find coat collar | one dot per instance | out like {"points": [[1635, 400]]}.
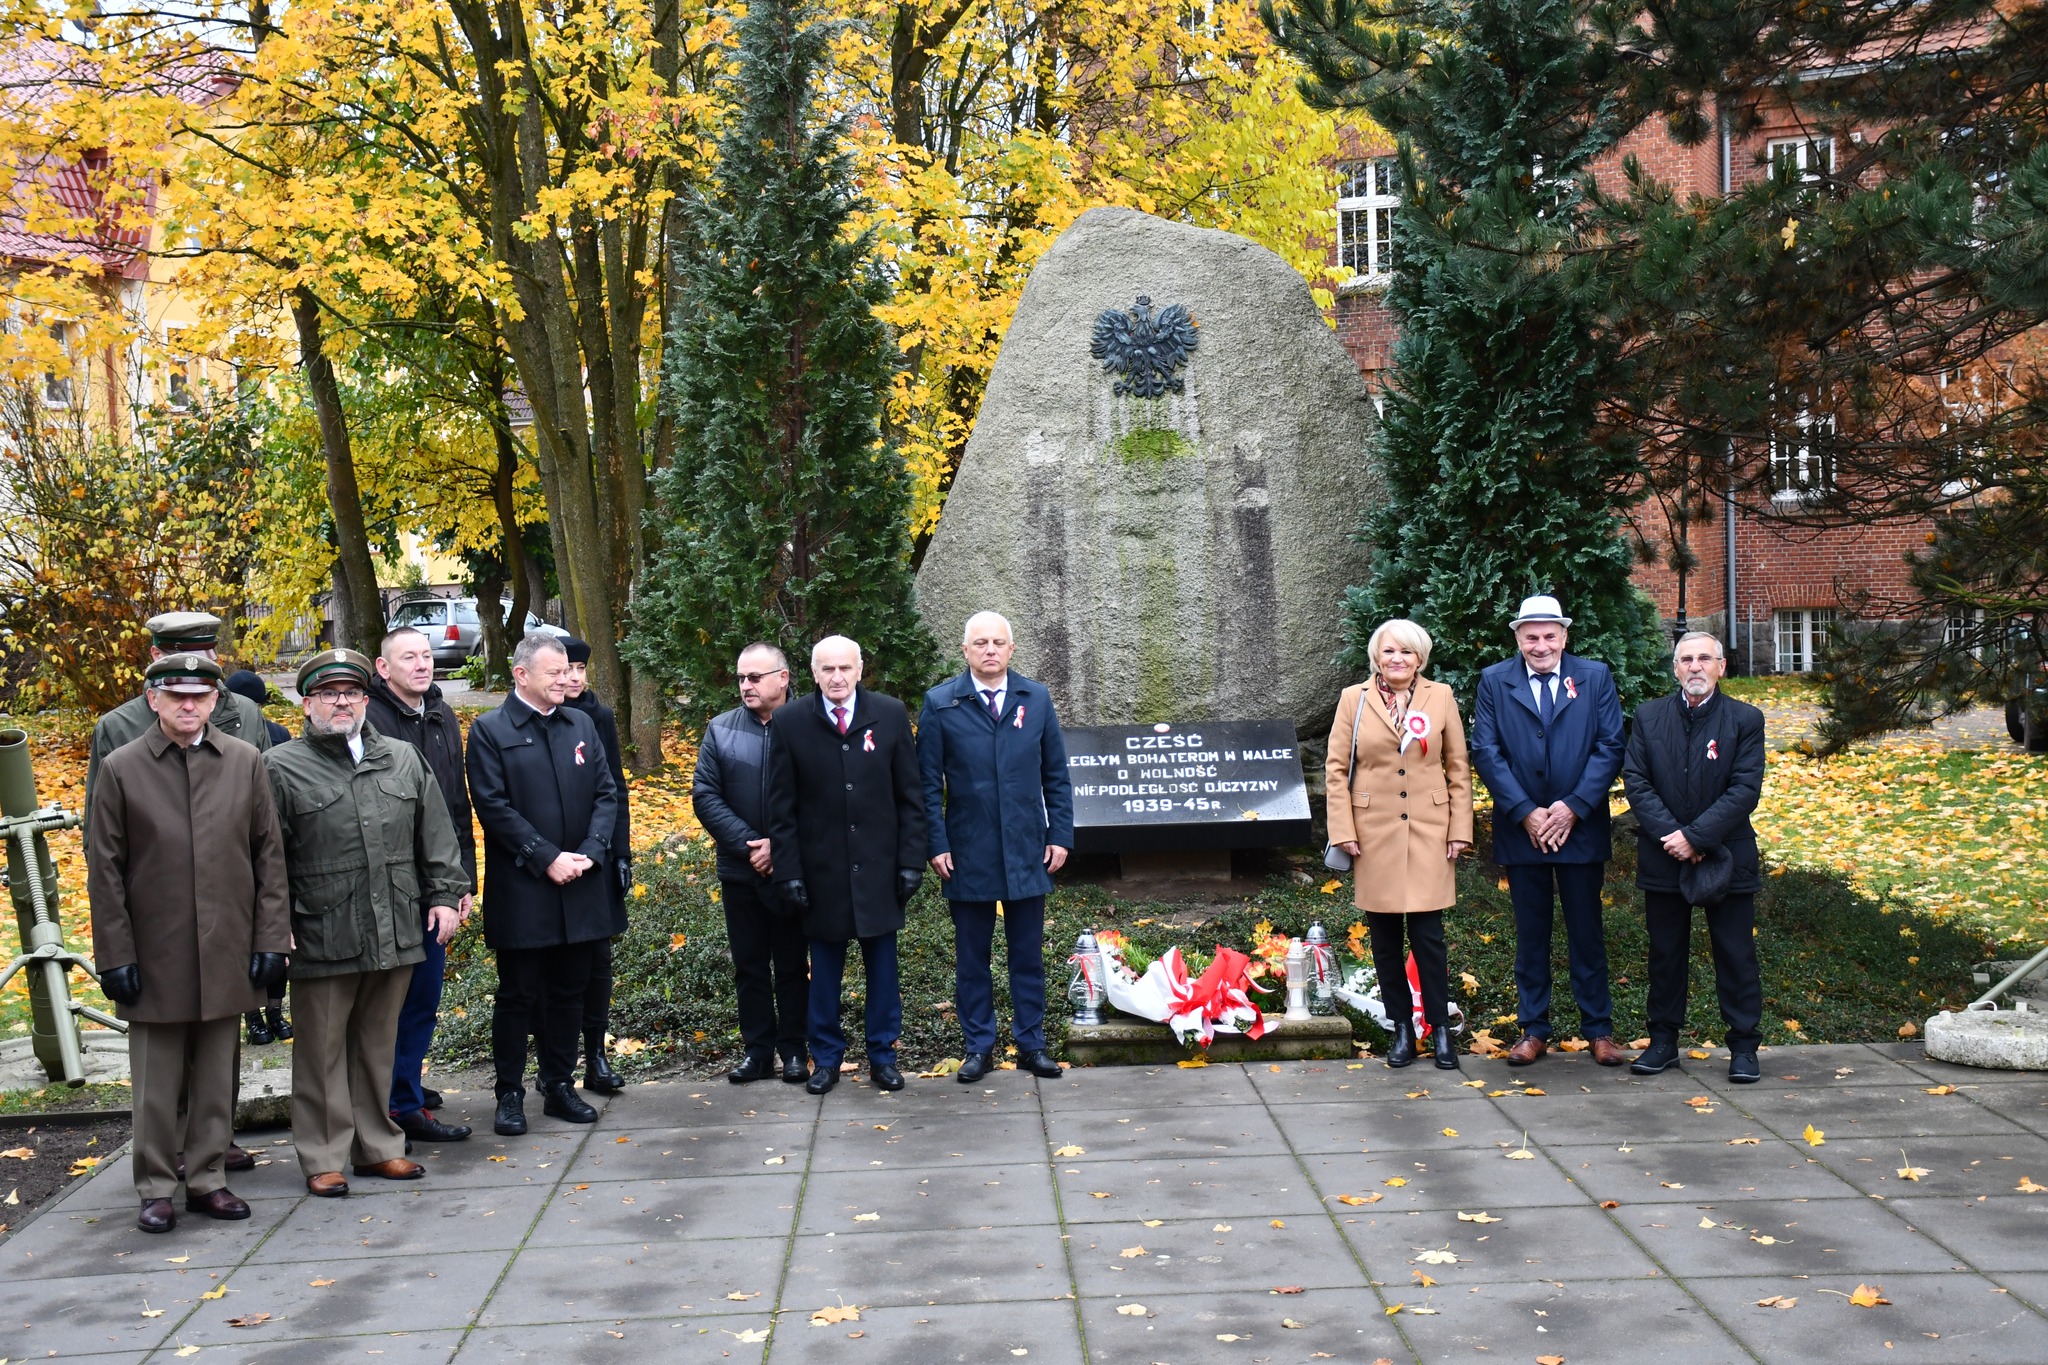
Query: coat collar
{"points": [[158, 741], [1570, 670], [964, 691], [520, 711], [1369, 696]]}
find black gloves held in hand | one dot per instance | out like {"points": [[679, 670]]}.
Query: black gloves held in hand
{"points": [[797, 894], [266, 970], [123, 985], [908, 880]]}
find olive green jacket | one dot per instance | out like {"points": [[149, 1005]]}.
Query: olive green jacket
{"points": [[368, 847], [234, 715]]}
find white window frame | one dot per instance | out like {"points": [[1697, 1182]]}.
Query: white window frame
{"points": [[1813, 158], [1802, 465], [1957, 626], [1798, 634], [1366, 200], [59, 387]]}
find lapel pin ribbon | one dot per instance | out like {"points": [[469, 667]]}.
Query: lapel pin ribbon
{"points": [[1415, 730], [1018, 723], [579, 753], [867, 741], [1713, 749], [1571, 689]]}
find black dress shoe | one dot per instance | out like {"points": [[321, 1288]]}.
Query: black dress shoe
{"points": [[157, 1216], [755, 1067], [795, 1070], [280, 1027], [1660, 1056], [259, 1031], [559, 1100], [1446, 1054], [1040, 1063], [823, 1078], [221, 1203], [236, 1160], [1401, 1051], [430, 1098], [885, 1075], [420, 1126], [511, 1120], [973, 1067], [1742, 1068], [600, 1079]]}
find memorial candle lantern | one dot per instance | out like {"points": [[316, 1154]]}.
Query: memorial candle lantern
{"points": [[1084, 989], [1297, 980], [1322, 972]]}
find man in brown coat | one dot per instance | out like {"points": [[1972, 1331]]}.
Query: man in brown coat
{"points": [[185, 875]]}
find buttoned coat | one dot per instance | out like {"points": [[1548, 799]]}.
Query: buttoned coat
{"points": [[1526, 764], [996, 791], [234, 717], [185, 874], [1403, 808], [1704, 778], [369, 847], [540, 786], [846, 813]]}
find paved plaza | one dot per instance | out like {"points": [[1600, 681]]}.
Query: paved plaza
{"points": [[1293, 1212]]}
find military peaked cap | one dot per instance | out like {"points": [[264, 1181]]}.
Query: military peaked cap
{"points": [[183, 673], [183, 630], [335, 665]]}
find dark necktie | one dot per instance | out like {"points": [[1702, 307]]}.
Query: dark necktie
{"points": [[1546, 688], [839, 714], [990, 693]]}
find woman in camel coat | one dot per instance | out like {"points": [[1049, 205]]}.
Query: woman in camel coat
{"points": [[1407, 818]]}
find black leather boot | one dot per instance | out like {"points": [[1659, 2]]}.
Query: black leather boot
{"points": [[280, 1027], [1446, 1054], [1402, 1050], [598, 1076], [259, 1031], [559, 1100]]}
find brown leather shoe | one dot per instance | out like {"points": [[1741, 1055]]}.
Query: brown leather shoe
{"points": [[327, 1184], [398, 1168], [1527, 1049], [157, 1216], [1607, 1052], [221, 1203]]}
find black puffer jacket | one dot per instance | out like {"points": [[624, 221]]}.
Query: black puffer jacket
{"points": [[1702, 773], [730, 789], [436, 733]]}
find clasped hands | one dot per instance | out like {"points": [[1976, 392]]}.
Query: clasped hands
{"points": [[1549, 826], [1055, 859], [567, 867]]}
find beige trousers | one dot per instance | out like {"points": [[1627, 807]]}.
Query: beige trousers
{"points": [[184, 1085], [345, 1030]]}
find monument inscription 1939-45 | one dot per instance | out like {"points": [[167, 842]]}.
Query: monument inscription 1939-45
{"points": [[1201, 785]]}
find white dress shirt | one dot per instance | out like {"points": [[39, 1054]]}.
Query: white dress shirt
{"points": [[982, 689]]}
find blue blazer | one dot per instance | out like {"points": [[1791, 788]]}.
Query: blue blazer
{"points": [[1524, 768], [995, 791]]}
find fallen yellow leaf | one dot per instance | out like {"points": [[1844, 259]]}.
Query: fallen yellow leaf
{"points": [[2027, 1186], [1438, 1256], [1743, 1142], [1228, 1336], [249, 1320], [1154, 1222], [1481, 1217], [1394, 1308], [1356, 1200], [1868, 1296], [1909, 1171], [1071, 1150], [494, 1158], [1278, 1224], [184, 1351], [1698, 1054], [1549, 1360], [1425, 1281], [1573, 1045], [318, 1284], [1396, 1181], [750, 1336], [20, 1153], [677, 941], [867, 1218], [1706, 1222], [1699, 1101], [1100, 1194], [1532, 1090], [1132, 1253], [1908, 1029], [1941, 1090], [1189, 1064], [1450, 1132], [1814, 1136], [826, 1317], [1521, 1154], [219, 1291], [1286, 1289], [1289, 1322], [1331, 885], [1131, 1310]]}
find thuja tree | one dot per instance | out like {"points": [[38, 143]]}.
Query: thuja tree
{"points": [[1501, 478], [783, 513]]}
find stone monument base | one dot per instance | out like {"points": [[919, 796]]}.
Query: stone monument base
{"points": [[2004, 1040], [1138, 1042], [1208, 865]]}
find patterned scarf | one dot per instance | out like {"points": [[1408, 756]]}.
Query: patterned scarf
{"points": [[1397, 703]]}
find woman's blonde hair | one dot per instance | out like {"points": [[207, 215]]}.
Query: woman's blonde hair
{"points": [[1402, 632]]}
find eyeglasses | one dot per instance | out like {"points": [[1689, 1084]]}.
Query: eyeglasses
{"points": [[751, 678], [341, 696]]}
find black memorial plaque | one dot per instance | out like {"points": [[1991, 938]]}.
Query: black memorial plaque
{"points": [[1199, 785]]}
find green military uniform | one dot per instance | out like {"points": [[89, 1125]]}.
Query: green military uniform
{"points": [[368, 846]]}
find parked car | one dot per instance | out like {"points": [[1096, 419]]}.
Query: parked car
{"points": [[452, 625]]}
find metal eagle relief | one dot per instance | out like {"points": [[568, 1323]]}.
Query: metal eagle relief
{"points": [[1145, 349]]}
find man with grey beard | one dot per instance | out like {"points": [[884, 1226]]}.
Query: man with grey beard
{"points": [[367, 842], [1694, 771]]}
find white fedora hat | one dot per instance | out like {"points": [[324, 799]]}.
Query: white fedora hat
{"points": [[1541, 607]]}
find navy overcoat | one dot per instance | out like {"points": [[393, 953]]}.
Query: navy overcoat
{"points": [[1525, 767], [995, 790]]}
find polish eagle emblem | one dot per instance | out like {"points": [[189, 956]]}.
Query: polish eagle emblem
{"points": [[1146, 349]]}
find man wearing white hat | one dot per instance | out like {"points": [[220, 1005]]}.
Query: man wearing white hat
{"points": [[1546, 737]]}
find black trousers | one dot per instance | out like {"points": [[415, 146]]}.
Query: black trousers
{"points": [[540, 995], [771, 969], [1731, 933], [1424, 934], [597, 1001]]}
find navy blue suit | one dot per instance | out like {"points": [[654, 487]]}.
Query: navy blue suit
{"points": [[996, 794], [1527, 764]]}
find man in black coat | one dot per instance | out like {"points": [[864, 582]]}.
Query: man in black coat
{"points": [[596, 1019], [846, 823], [730, 794], [543, 792], [406, 704], [1694, 771]]}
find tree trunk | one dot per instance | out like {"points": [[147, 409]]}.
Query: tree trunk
{"points": [[359, 607]]}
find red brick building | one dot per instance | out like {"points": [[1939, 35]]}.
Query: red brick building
{"points": [[1789, 577]]}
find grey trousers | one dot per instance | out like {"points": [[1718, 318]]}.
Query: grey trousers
{"points": [[345, 1035], [193, 1063]]}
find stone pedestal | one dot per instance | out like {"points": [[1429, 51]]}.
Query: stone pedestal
{"points": [[1137, 1042], [2004, 1040], [1209, 865]]}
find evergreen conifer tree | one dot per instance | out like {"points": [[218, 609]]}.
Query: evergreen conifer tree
{"points": [[783, 516], [1502, 481]]}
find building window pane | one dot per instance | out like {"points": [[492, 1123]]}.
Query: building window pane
{"points": [[1803, 453], [1807, 159], [1367, 194], [1802, 638], [57, 383]]}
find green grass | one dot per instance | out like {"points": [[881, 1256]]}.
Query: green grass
{"points": [[1834, 962], [54, 1099]]}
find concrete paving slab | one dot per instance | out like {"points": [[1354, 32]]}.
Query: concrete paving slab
{"points": [[65, 1242], [1620, 1322], [925, 1198], [1042, 1332], [377, 1295], [1870, 1111], [1344, 1325], [2005, 1233], [2026, 1105], [62, 1315], [1948, 1073], [690, 1341], [1215, 1187], [995, 1265], [404, 1221], [1444, 1180], [1147, 1087], [1425, 1123], [1571, 1243], [669, 1210], [1938, 1319], [1146, 1134], [548, 1284], [1967, 1166], [1283, 1083], [1653, 1113], [1185, 1252], [1692, 1172], [913, 1138], [666, 1153], [1809, 1237], [381, 1348]]}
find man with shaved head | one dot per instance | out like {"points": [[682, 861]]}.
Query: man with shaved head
{"points": [[1000, 819], [846, 847]]}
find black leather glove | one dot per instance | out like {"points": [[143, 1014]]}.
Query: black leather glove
{"points": [[266, 970], [908, 880], [797, 894], [123, 985]]}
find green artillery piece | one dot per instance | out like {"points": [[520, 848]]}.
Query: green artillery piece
{"points": [[32, 879]]}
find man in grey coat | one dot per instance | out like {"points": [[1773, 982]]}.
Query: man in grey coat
{"points": [[173, 632]]}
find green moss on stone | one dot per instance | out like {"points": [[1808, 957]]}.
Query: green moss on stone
{"points": [[1152, 445]]}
